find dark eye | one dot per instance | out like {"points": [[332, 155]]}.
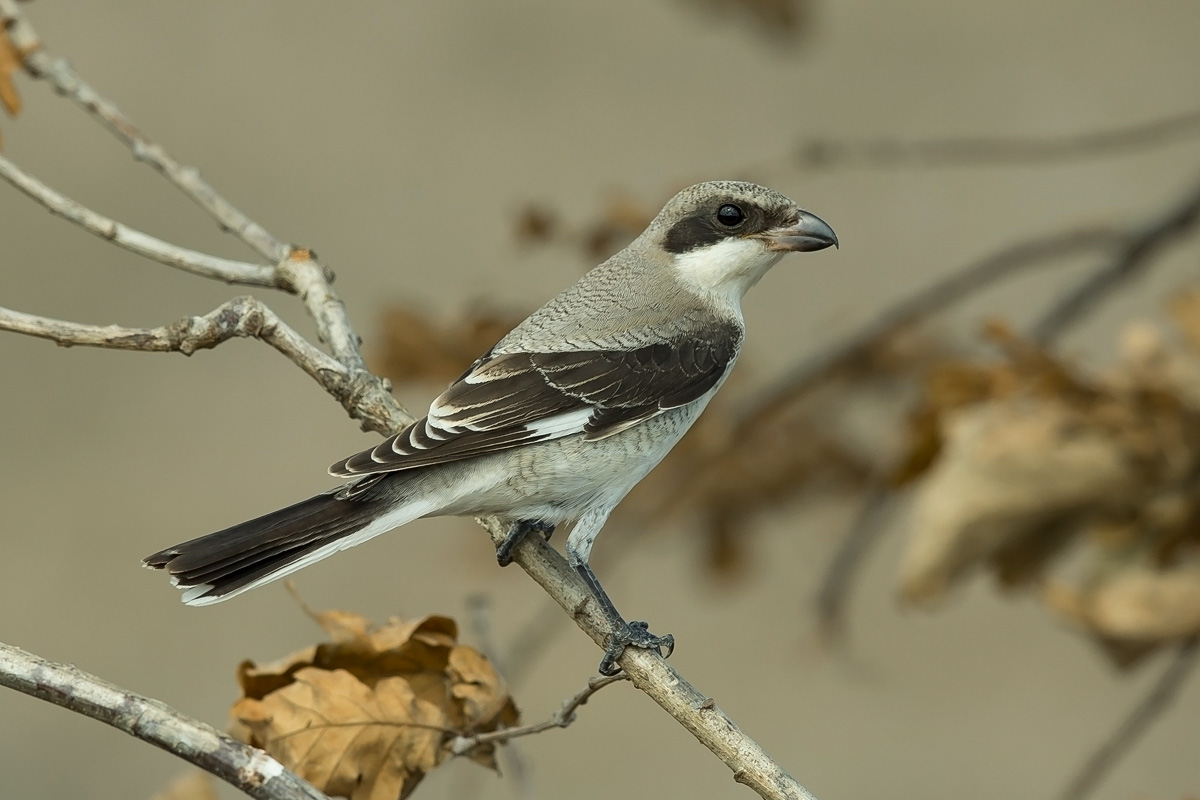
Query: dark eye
{"points": [[730, 215]]}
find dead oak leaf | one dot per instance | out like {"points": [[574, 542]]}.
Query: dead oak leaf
{"points": [[1138, 604], [10, 63], [396, 648], [346, 738], [1009, 468], [409, 682], [481, 695]]}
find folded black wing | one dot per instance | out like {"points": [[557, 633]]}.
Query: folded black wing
{"points": [[515, 399]]}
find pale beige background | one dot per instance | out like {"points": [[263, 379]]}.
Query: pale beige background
{"points": [[399, 139]]}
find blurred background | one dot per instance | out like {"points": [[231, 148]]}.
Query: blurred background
{"points": [[458, 163]]}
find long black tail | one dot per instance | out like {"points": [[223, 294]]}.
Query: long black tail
{"points": [[220, 565]]}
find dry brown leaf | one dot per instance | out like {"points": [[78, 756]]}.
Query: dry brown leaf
{"points": [[343, 626], [370, 713], [193, 784], [1184, 308], [1138, 604], [1024, 465], [481, 695], [1008, 468], [346, 738], [10, 64]]}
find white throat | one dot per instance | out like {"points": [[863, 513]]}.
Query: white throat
{"points": [[727, 269]]}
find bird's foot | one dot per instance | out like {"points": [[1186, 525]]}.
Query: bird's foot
{"points": [[516, 534], [633, 634]]}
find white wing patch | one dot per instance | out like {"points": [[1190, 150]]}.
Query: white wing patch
{"points": [[560, 424]]}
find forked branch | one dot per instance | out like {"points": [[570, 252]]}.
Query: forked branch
{"points": [[343, 374]]}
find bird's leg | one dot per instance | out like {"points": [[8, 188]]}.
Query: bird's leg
{"points": [[516, 534], [625, 634]]}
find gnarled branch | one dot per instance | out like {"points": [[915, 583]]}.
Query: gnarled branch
{"points": [[153, 721]]}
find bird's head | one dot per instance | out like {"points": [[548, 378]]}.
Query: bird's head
{"points": [[721, 237]]}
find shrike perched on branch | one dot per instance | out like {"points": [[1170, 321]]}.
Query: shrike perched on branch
{"points": [[560, 419]]}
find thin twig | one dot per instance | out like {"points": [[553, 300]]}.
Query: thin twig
{"points": [[479, 608], [1137, 723], [526, 646], [1134, 256], [926, 302], [242, 766], [999, 151], [838, 581], [203, 264], [66, 81], [515, 765], [241, 317], [559, 719]]}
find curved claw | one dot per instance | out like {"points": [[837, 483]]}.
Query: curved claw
{"points": [[516, 534], [633, 634]]}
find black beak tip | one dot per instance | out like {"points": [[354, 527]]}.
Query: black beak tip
{"points": [[821, 243], [816, 233]]}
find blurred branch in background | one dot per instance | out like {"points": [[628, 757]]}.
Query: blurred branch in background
{"points": [[1137, 723], [998, 151], [1133, 256], [781, 22], [623, 217]]}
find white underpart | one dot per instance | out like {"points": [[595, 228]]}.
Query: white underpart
{"points": [[419, 507], [727, 269], [583, 535]]}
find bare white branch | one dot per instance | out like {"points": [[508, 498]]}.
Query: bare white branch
{"points": [[239, 764], [651, 673], [241, 317], [244, 317], [203, 264]]}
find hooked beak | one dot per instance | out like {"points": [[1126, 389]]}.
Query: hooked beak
{"points": [[808, 233]]}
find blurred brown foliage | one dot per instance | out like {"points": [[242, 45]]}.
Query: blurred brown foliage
{"points": [[1081, 486], [369, 713], [10, 64], [412, 347], [621, 219], [783, 22]]}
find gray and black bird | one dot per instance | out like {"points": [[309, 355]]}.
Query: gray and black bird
{"points": [[560, 419]]}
